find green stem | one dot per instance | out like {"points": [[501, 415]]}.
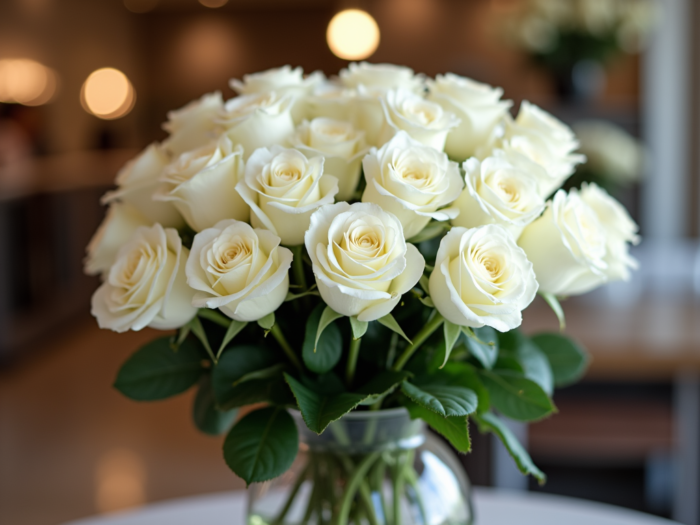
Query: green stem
{"points": [[298, 266], [315, 488], [412, 478], [279, 336], [364, 490], [377, 482], [425, 332], [292, 494], [353, 485], [397, 483], [352, 360]]}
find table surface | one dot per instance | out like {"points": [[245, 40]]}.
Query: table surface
{"points": [[492, 507]]}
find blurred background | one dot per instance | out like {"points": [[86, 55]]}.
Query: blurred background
{"points": [[85, 85]]}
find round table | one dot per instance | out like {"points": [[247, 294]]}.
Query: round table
{"points": [[492, 507]]}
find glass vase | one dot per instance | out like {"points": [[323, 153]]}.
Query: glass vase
{"points": [[370, 467]]}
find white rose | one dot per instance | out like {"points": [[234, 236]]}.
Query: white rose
{"points": [[138, 181], [620, 227], [610, 150], [283, 188], [331, 100], [423, 120], [360, 259], [240, 270], [497, 192], [193, 125], [284, 81], [537, 136], [340, 144], [478, 106], [258, 120], [412, 181], [567, 246], [379, 78], [119, 225], [146, 286], [482, 277], [202, 185]]}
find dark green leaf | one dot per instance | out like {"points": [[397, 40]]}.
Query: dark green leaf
{"points": [[327, 317], [532, 360], [207, 416], [445, 400], [483, 345], [567, 359], [319, 410], [554, 304], [381, 385], [358, 327], [466, 375], [515, 396], [237, 364], [389, 321], [156, 371], [454, 428], [262, 445], [322, 357], [490, 423]]}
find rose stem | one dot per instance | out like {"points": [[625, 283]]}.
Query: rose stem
{"points": [[292, 495], [352, 360], [355, 484], [425, 332], [279, 336], [298, 266]]}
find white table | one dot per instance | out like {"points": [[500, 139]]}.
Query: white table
{"points": [[493, 507]]}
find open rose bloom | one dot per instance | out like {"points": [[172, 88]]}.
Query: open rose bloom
{"points": [[365, 240]]}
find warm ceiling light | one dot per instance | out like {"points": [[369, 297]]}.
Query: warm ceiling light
{"points": [[213, 3], [140, 6], [353, 34], [107, 94], [25, 81]]}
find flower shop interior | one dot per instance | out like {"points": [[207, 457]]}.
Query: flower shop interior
{"points": [[628, 434]]}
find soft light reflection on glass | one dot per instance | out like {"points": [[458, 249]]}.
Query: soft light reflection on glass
{"points": [[213, 3], [140, 6], [120, 477], [107, 94], [353, 34], [26, 81]]}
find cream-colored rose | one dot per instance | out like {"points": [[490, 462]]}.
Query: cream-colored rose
{"points": [[146, 286], [497, 192], [425, 121], [412, 181], [478, 106], [537, 136], [119, 225], [620, 228], [284, 81], [331, 100], [257, 121], [482, 278], [138, 180], [360, 259], [610, 151], [240, 270], [283, 188], [567, 246], [193, 125], [202, 184], [341, 146], [380, 78]]}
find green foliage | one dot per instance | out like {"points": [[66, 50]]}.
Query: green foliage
{"points": [[206, 415], [490, 423], [453, 428], [566, 358], [157, 371], [359, 328], [232, 331], [391, 323], [554, 304], [445, 400], [267, 322], [483, 345], [529, 359], [262, 445], [515, 396], [466, 375], [327, 317], [322, 354]]}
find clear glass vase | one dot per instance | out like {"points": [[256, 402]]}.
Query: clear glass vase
{"points": [[370, 468]]}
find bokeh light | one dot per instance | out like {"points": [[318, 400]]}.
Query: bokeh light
{"points": [[140, 6], [213, 3], [26, 82], [120, 480], [107, 94], [353, 34]]}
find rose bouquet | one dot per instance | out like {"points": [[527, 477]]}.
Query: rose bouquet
{"points": [[365, 244]]}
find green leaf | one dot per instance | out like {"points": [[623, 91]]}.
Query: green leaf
{"points": [[214, 316], [567, 359], [483, 345], [445, 400], [555, 305], [432, 230], [466, 375], [262, 445], [198, 330], [327, 317], [515, 396], [232, 331], [267, 322], [382, 385], [490, 423], [389, 321], [156, 371], [322, 356], [533, 361], [454, 428], [358, 327], [207, 416], [233, 381], [320, 410]]}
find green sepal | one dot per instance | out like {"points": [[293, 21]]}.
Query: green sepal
{"points": [[389, 321]]}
